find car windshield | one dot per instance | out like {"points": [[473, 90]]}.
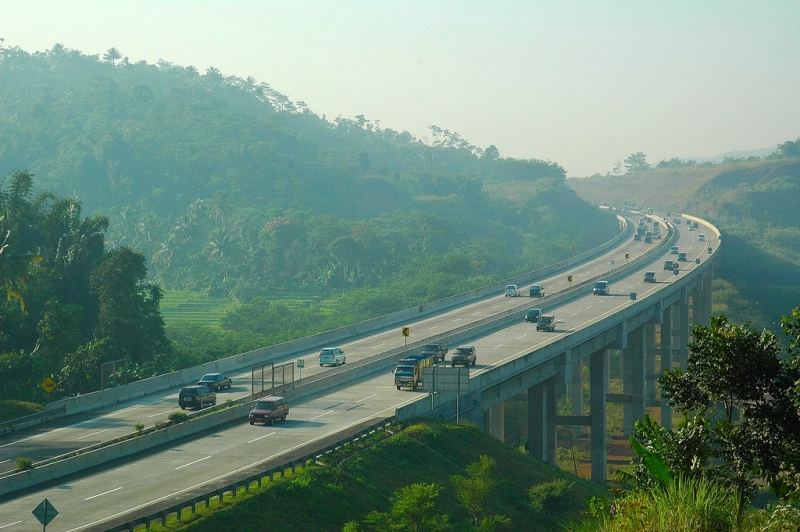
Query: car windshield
{"points": [[405, 370], [463, 352], [326, 352], [208, 378], [265, 405]]}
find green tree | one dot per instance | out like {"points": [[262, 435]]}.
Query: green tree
{"points": [[128, 306], [734, 369], [414, 509], [81, 371], [636, 162], [790, 148], [112, 55], [475, 489]]}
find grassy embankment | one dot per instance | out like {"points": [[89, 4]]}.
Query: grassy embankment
{"points": [[326, 497]]}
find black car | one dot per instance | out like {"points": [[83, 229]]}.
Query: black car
{"points": [[196, 397], [215, 381], [532, 315]]}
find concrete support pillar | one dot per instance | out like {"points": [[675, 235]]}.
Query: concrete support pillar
{"points": [[598, 389], [494, 421], [666, 362], [633, 379], [683, 330], [706, 297], [650, 363], [576, 387], [542, 421]]}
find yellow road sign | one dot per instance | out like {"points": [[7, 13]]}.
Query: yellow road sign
{"points": [[406, 331], [569, 278], [48, 385]]}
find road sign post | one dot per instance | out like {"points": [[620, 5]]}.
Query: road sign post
{"points": [[406, 333], [45, 513], [300, 365]]}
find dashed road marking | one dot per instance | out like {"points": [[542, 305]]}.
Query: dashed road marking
{"points": [[192, 463]]}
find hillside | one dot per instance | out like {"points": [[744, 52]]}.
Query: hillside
{"points": [[754, 204], [232, 189], [327, 498]]}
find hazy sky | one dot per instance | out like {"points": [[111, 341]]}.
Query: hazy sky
{"points": [[578, 82]]}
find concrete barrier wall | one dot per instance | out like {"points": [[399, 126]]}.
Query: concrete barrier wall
{"points": [[93, 400]]}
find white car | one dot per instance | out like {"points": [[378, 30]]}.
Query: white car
{"points": [[512, 290], [332, 356]]}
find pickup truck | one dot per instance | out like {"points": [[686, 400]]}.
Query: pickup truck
{"points": [[547, 322], [437, 351]]}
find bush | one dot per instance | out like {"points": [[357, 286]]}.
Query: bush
{"points": [[24, 464], [178, 417], [549, 496], [139, 427]]}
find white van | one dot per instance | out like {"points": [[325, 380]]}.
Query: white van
{"points": [[332, 356], [512, 290]]}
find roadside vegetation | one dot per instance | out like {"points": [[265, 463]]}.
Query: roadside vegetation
{"points": [[739, 399]]}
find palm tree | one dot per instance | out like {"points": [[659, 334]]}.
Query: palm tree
{"points": [[112, 55]]}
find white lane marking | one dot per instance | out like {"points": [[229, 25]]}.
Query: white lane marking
{"points": [[334, 431], [521, 337], [92, 434], [324, 414], [261, 437], [101, 494], [498, 347], [26, 439], [432, 328], [477, 313], [367, 397], [494, 307], [380, 345], [573, 313], [161, 413], [10, 524], [4, 461], [117, 412], [192, 463], [587, 308]]}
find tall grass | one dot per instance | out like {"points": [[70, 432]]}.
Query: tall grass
{"points": [[695, 504]]}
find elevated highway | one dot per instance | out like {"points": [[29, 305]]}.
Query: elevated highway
{"points": [[651, 330]]}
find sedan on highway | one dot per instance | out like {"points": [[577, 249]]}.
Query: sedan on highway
{"points": [[215, 381]]}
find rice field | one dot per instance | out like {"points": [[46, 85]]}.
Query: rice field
{"points": [[183, 306]]}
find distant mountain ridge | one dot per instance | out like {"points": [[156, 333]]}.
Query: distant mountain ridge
{"points": [[230, 187]]}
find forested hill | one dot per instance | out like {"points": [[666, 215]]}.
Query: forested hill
{"points": [[754, 203], [228, 186]]}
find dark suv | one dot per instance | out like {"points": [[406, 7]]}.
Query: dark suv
{"points": [[269, 409], [464, 355], [196, 397]]}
